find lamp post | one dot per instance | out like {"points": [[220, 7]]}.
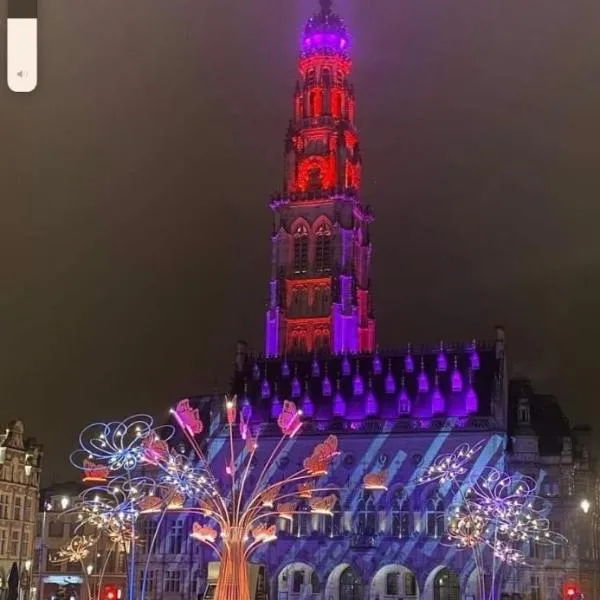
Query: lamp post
{"points": [[40, 588], [91, 585], [585, 505], [27, 583]]}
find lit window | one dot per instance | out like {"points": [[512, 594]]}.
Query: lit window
{"points": [[301, 249], [323, 250], [435, 518], [400, 515]]}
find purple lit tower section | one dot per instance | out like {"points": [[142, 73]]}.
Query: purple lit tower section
{"points": [[320, 297]]}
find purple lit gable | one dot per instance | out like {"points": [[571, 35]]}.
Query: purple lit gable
{"points": [[307, 406], [456, 379], [339, 405], [358, 388], [371, 408], [265, 391], [438, 405], [276, 407], [376, 365], [390, 382], [326, 386], [295, 388], [423, 380], [316, 370]]}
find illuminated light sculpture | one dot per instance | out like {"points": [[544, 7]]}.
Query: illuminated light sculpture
{"points": [[375, 481], [305, 490], [94, 472], [118, 450], [323, 506], [238, 513], [287, 510], [203, 533], [318, 462], [493, 511], [77, 550]]}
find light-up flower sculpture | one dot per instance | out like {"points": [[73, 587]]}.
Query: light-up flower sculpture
{"points": [[492, 512], [237, 515], [113, 456]]}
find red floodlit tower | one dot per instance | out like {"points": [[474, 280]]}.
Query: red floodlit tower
{"points": [[320, 298]]}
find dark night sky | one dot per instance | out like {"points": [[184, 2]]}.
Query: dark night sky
{"points": [[134, 233]]}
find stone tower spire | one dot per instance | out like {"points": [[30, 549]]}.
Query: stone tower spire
{"points": [[320, 298]]}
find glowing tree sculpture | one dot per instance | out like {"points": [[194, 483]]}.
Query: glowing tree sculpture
{"points": [[237, 516], [493, 512]]}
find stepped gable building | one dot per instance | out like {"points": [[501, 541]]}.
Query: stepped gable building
{"points": [[20, 470], [393, 411]]}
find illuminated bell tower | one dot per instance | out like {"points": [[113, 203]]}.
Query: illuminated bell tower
{"points": [[320, 297]]}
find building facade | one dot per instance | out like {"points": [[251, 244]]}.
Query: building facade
{"points": [[20, 470], [101, 575], [393, 411]]}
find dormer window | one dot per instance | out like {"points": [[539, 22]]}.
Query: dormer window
{"points": [[523, 412]]}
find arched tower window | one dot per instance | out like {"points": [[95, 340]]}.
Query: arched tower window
{"points": [[311, 78], [312, 104], [400, 515], [336, 104], [326, 77], [367, 515], [301, 249], [323, 249], [435, 517]]}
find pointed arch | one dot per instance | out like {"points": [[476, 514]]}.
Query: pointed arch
{"points": [[366, 522], [435, 516], [300, 232], [400, 514], [323, 233]]}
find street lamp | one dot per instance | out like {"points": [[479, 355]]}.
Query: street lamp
{"points": [[90, 584], [64, 502], [585, 505]]}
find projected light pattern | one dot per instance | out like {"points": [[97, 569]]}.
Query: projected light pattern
{"points": [[493, 510]]}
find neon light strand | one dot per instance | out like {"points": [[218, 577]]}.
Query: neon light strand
{"points": [[235, 517], [493, 511]]}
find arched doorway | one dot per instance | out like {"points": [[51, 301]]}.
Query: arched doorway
{"points": [[446, 586], [351, 587]]}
